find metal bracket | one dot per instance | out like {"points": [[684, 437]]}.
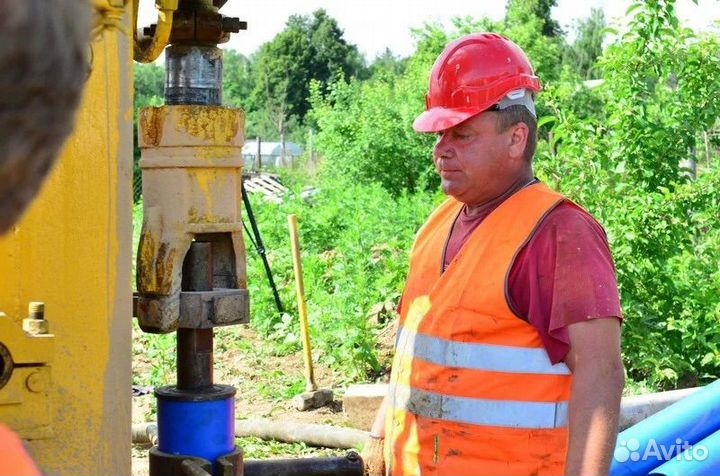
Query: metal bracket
{"points": [[220, 307]]}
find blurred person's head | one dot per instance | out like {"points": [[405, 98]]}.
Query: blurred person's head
{"points": [[43, 66]]}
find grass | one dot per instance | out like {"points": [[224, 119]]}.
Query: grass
{"points": [[633, 388], [255, 448]]}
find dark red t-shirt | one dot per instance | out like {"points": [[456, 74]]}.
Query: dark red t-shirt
{"points": [[563, 275]]}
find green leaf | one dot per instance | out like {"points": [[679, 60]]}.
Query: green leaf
{"points": [[546, 120], [632, 8]]}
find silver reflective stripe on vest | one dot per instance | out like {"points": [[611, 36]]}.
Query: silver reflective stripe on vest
{"points": [[475, 411], [492, 358]]}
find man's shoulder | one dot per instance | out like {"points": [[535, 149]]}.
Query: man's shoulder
{"points": [[570, 218]]}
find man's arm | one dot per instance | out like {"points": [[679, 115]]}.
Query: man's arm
{"points": [[378, 427], [598, 380], [372, 453]]}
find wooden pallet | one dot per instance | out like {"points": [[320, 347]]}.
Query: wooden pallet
{"points": [[267, 184]]}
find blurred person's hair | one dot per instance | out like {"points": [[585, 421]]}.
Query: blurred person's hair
{"points": [[43, 66]]}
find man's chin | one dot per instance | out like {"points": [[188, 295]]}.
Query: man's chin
{"points": [[450, 189]]}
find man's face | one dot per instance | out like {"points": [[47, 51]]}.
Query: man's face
{"points": [[477, 163]]}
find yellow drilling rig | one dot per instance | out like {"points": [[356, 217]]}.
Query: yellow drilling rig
{"points": [[66, 296]]}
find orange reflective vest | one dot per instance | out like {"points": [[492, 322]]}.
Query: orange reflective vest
{"points": [[14, 460], [472, 389]]}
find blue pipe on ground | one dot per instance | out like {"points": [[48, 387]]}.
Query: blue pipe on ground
{"points": [[197, 423], [690, 420], [702, 459]]}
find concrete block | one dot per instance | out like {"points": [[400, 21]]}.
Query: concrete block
{"points": [[361, 403]]}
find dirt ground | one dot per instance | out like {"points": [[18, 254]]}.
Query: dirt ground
{"points": [[265, 383]]}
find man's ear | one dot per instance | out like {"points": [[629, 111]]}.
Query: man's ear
{"points": [[518, 139]]}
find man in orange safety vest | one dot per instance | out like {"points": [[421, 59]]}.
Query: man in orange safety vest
{"points": [[507, 359]]}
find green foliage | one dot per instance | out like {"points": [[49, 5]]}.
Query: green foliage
{"points": [[355, 241], [624, 165], [582, 55], [309, 48], [149, 80], [386, 63], [539, 10], [158, 350], [365, 132], [237, 79], [529, 30]]}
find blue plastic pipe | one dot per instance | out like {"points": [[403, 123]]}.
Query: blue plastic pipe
{"points": [[702, 459], [688, 421], [205, 429]]}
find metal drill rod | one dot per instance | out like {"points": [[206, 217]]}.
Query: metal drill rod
{"points": [[350, 465], [195, 346], [192, 468], [194, 359]]}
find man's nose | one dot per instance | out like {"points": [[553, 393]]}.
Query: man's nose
{"points": [[442, 148]]}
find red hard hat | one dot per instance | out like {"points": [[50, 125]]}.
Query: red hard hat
{"points": [[473, 74]]}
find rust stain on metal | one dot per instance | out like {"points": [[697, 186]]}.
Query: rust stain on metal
{"points": [[194, 216], [215, 125], [152, 120], [155, 265]]}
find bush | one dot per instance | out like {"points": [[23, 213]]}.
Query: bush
{"points": [[661, 85], [355, 240]]}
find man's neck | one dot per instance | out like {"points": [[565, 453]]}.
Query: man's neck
{"points": [[520, 183]]}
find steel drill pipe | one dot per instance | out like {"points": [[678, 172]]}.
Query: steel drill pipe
{"points": [[194, 359], [195, 346], [350, 465]]}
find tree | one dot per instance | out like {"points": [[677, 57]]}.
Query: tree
{"points": [[540, 9], [582, 55], [332, 54], [237, 79], [309, 48], [387, 62], [149, 82], [527, 23]]}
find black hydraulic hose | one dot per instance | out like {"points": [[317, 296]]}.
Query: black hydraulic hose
{"points": [[261, 248]]}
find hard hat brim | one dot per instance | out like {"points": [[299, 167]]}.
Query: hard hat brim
{"points": [[439, 119]]}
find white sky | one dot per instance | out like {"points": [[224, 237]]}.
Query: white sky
{"points": [[374, 25]]}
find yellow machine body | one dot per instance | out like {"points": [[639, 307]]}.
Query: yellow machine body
{"points": [[72, 250]]}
